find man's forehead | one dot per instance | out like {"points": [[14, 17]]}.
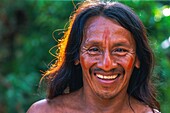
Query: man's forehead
{"points": [[102, 29], [100, 24]]}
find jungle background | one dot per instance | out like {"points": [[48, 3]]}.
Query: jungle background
{"points": [[26, 37]]}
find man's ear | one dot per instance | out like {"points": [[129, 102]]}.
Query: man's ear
{"points": [[137, 62]]}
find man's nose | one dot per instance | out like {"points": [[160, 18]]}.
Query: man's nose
{"points": [[107, 63]]}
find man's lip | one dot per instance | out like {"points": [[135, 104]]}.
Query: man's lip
{"points": [[110, 72], [107, 73], [107, 76]]}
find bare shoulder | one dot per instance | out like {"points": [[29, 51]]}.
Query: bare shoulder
{"points": [[39, 107], [58, 104], [143, 108], [147, 109], [152, 111]]}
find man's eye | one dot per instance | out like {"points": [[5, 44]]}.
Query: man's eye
{"points": [[94, 50], [120, 50]]}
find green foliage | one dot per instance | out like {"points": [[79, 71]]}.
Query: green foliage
{"points": [[26, 37]]}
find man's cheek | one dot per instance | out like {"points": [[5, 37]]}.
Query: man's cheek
{"points": [[130, 63], [84, 61], [127, 63]]}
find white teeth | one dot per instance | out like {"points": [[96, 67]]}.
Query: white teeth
{"points": [[106, 77]]}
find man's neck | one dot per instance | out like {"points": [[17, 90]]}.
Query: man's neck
{"points": [[94, 103]]}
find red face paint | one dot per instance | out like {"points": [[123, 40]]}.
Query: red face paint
{"points": [[106, 34], [131, 63], [107, 59]]}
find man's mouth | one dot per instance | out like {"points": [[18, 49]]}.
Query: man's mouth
{"points": [[108, 77]]}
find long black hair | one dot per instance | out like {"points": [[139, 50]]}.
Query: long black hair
{"points": [[65, 75]]}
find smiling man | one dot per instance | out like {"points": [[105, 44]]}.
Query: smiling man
{"points": [[107, 57], [104, 64]]}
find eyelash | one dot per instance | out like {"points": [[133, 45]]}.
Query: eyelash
{"points": [[120, 50], [94, 50]]}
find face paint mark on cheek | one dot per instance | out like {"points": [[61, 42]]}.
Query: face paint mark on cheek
{"points": [[86, 63], [83, 61], [130, 63]]}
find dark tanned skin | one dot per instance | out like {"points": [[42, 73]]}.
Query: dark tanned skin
{"points": [[107, 58], [74, 103]]}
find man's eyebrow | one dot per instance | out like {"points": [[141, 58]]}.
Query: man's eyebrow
{"points": [[93, 42], [125, 44]]}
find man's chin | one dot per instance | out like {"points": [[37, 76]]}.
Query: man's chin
{"points": [[106, 95]]}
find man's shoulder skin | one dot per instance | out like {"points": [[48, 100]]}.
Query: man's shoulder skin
{"points": [[39, 107], [59, 104], [47, 106], [72, 103]]}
